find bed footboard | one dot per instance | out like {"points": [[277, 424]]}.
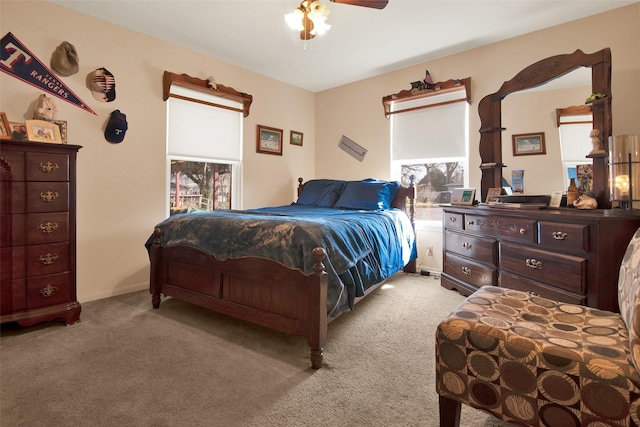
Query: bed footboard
{"points": [[254, 289]]}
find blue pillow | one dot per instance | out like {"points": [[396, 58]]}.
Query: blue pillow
{"points": [[320, 192], [368, 194]]}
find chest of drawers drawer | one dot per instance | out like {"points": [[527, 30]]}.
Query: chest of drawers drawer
{"points": [[560, 270], [46, 167], [48, 290], [474, 273], [47, 228], [564, 236], [513, 228], [47, 196], [453, 221], [477, 248]]}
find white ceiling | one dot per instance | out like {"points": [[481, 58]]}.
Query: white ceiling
{"points": [[362, 42]]}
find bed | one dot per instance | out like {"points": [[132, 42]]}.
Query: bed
{"points": [[291, 268]]}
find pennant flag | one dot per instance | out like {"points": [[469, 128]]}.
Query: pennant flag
{"points": [[18, 61]]}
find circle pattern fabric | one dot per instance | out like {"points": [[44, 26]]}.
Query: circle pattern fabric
{"points": [[533, 361]]}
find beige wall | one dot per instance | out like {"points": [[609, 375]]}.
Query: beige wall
{"points": [[488, 67], [121, 187]]}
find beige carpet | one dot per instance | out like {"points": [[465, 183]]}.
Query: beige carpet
{"points": [[126, 364]]}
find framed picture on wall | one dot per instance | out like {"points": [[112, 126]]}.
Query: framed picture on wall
{"points": [[295, 138], [527, 144], [269, 140]]}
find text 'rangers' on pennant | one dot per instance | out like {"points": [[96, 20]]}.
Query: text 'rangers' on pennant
{"points": [[20, 62]]}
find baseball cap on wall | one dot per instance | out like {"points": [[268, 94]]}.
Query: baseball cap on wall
{"points": [[116, 127], [102, 85], [64, 60]]}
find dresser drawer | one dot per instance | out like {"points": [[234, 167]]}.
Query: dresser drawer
{"points": [[477, 248], [47, 228], [453, 221], [470, 272], [47, 259], [48, 290], [12, 263], [13, 197], [563, 271], [15, 171], [13, 230], [47, 167], [519, 283], [514, 228], [564, 236], [47, 196]]}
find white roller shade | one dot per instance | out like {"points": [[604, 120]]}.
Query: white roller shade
{"points": [[439, 131], [199, 130], [575, 141]]}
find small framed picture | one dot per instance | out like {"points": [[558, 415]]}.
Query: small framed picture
{"points": [[62, 124], [269, 140], [556, 199], [492, 194], [43, 131], [296, 138], [5, 130], [18, 131], [527, 144]]}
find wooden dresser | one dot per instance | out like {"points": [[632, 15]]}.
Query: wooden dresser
{"points": [[564, 254], [38, 239]]}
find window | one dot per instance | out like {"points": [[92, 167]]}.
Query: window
{"points": [[204, 151], [429, 140]]}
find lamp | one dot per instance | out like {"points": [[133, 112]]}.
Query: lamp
{"points": [[309, 18], [625, 169]]}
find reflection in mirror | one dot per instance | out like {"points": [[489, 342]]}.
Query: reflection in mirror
{"points": [[534, 111]]}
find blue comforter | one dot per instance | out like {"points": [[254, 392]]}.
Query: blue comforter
{"points": [[363, 247]]}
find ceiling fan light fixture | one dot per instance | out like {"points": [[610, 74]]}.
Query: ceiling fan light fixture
{"points": [[309, 18]]}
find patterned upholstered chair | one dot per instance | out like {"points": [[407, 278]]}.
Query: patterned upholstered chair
{"points": [[531, 361]]}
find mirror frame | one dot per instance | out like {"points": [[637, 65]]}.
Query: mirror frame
{"points": [[535, 75]]}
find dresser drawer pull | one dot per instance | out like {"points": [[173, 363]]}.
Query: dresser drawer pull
{"points": [[48, 259], [48, 291], [533, 263], [49, 227], [559, 235], [453, 219], [466, 271], [49, 196], [523, 231], [49, 167], [470, 223], [466, 245]]}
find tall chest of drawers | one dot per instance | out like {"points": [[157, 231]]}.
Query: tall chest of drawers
{"points": [[564, 254], [38, 239]]}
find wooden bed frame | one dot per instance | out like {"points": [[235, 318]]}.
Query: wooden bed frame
{"points": [[255, 289]]}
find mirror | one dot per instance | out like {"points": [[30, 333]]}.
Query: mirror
{"points": [[544, 71], [536, 111]]}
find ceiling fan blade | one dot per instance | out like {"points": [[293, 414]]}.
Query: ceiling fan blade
{"points": [[374, 4]]}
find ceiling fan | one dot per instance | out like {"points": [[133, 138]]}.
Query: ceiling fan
{"points": [[310, 17]]}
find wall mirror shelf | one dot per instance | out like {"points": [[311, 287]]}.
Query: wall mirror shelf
{"points": [[534, 75]]}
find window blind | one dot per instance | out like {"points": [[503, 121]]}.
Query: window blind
{"points": [[440, 131], [575, 141], [197, 129]]}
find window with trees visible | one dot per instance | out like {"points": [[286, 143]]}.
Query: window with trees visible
{"points": [[429, 142], [199, 186]]}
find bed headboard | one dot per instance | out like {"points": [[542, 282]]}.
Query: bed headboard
{"points": [[404, 198]]}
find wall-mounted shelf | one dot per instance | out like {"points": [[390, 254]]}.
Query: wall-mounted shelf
{"points": [[423, 90]]}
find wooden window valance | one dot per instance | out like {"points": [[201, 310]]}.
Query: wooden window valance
{"points": [[423, 90], [203, 86], [575, 110]]}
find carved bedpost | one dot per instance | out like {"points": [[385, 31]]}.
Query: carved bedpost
{"points": [[318, 318], [300, 185], [156, 274]]}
